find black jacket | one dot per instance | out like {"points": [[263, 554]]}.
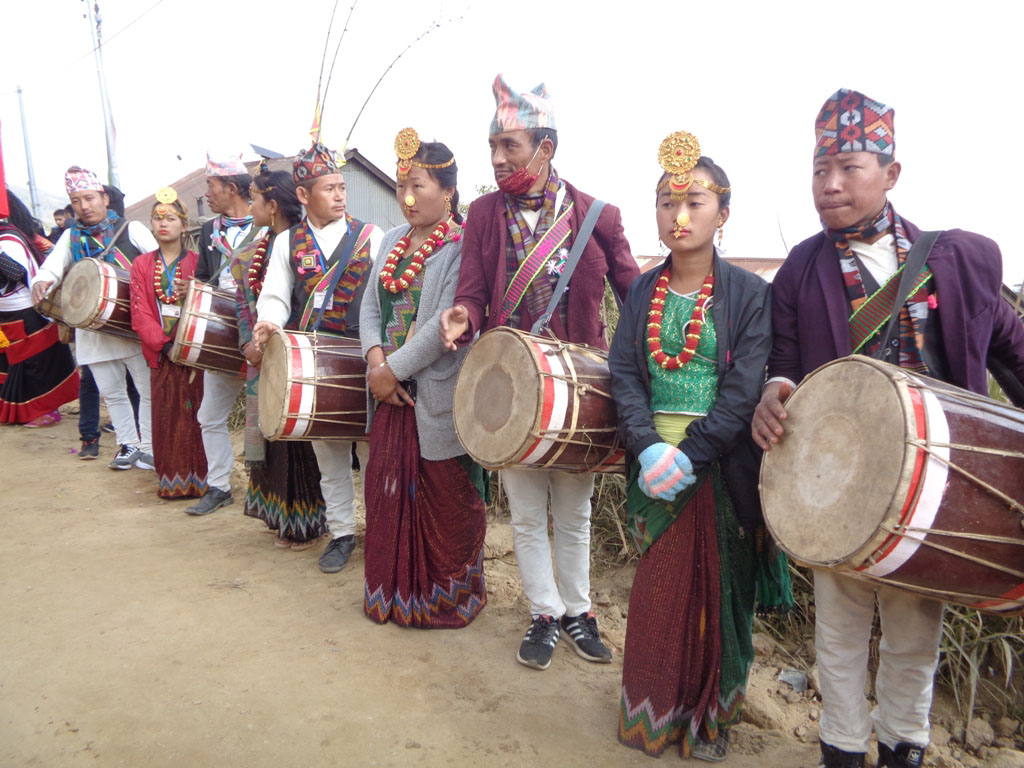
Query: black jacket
{"points": [[741, 309]]}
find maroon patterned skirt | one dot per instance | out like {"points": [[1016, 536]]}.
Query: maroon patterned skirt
{"points": [[178, 450], [425, 524]]}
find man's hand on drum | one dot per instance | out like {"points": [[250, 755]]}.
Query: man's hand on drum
{"points": [[664, 471], [253, 353], [454, 323], [766, 427], [261, 333], [39, 290]]}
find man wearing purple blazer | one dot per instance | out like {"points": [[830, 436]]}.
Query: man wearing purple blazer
{"points": [[515, 247], [951, 327]]}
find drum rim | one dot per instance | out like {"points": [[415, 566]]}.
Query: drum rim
{"points": [[858, 556], [523, 338], [98, 269], [282, 405]]}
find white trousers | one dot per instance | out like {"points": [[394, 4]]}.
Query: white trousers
{"points": [[109, 376], [334, 457], [527, 491], [219, 395], [908, 656]]}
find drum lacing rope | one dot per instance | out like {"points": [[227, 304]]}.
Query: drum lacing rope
{"points": [[577, 384], [927, 447], [945, 593], [950, 551], [219, 319], [329, 385]]}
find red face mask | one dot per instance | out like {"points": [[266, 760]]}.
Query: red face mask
{"points": [[521, 180]]}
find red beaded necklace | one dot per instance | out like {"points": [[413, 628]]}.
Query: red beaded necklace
{"points": [[693, 328], [254, 275], [431, 244], [158, 274]]}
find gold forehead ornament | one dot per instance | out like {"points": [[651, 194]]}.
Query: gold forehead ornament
{"points": [[407, 144], [677, 155]]}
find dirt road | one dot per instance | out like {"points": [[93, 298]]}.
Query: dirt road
{"points": [[135, 635]]}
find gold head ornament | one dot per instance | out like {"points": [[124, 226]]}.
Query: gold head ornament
{"points": [[678, 155], [166, 195], [407, 144]]}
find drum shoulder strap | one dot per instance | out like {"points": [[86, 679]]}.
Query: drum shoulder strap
{"points": [[579, 243]]}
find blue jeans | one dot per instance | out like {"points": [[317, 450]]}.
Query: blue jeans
{"points": [[89, 404]]}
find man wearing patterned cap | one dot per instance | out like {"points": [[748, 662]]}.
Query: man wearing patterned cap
{"points": [[315, 282], [515, 248], [227, 192], [952, 323], [96, 232]]}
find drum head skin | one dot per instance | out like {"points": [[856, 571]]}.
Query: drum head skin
{"points": [[831, 481], [80, 297], [273, 385], [497, 398]]}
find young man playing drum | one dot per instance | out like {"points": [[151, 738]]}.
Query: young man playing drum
{"points": [[952, 321], [315, 282], [227, 192], [95, 232], [516, 245]]}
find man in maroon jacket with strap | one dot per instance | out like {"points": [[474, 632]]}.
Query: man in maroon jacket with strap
{"points": [[951, 326], [514, 249]]}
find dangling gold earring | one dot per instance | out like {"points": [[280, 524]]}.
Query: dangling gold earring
{"points": [[271, 219], [448, 204], [721, 226]]}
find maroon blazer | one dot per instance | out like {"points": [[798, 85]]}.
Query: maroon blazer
{"points": [[483, 273], [810, 311]]}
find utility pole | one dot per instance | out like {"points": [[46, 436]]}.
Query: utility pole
{"points": [[95, 21], [28, 160]]}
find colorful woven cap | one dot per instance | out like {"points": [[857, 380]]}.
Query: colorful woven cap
{"points": [[231, 165], [78, 179], [315, 162], [519, 111], [851, 122]]}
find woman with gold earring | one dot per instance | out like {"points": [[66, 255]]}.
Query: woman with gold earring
{"points": [[687, 365], [284, 482], [425, 517], [156, 298]]}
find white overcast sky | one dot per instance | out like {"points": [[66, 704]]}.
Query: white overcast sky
{"points": [[747, 78]]}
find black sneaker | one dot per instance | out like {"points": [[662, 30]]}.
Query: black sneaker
{"points": [[126, 458], [586, 640], [337, 554], [212, 500], [108, 428], [90, 449], [833, 757], [903, 755], [539, 643]]}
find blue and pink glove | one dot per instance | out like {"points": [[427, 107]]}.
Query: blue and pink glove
{"points": [[664, 471]]}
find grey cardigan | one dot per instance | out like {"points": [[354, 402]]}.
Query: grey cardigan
{"points": [[423, 357]]}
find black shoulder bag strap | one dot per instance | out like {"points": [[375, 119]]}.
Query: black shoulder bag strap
{"points": [[345, 248], [916, 258], [113, 243], [582, 238]]}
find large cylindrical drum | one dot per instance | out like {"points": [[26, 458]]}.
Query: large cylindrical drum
{"points": [[523, 400], [312, 387], [207, 333], [96, 295], [902, 480]]}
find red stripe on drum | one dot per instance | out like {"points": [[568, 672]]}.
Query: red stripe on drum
{"points": [[554, 407], [1010, 602], [928, 482], [307, 402], [108, 295], [193, 336], [294, 387], [547, 399]]}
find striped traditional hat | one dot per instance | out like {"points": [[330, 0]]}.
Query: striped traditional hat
{"points": [[519, 111], [78, 179], [313, 163], [851, 122]]}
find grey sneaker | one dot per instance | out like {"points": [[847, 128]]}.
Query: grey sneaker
{"points": [[126, 458], [539, 643], [212, 500], [586, 640], [145, 461], [90, 449], [337, 554]]}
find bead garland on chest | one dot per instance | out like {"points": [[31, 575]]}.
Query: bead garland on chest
{"points": [[693, 328], [158, 274], [254, 275], [434, 242]]}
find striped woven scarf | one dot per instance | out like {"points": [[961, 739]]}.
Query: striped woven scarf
{"points": [[538, 294], [220, 227], [913, 314]]}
